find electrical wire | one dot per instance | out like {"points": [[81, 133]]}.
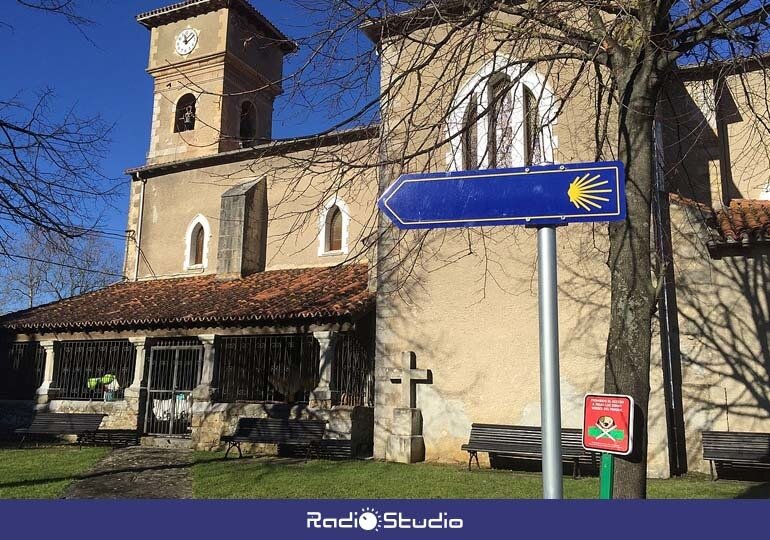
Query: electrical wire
{"points": [[63, 265]]}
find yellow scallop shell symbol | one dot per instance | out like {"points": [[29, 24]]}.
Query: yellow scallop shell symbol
{"points": [[585, 192]]}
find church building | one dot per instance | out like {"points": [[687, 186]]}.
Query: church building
{"points": [[260, 279]]}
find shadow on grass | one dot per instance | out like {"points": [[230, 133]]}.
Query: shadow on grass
{"points": [[757, 491]]}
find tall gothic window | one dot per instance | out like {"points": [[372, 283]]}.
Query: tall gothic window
{"points": [[185, 114], [248, 122], [533, 151], [198, 241], [514, 112], [470, 146], [334, 230]]}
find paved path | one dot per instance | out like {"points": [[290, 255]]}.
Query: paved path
{"points": [[137, 473]]}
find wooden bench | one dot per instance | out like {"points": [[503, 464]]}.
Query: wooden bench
{"points": [[82, 425], [524, 442], [737, 448], [298, 433]]}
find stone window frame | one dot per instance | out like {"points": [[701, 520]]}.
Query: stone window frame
{"points": [[189, 253], [478, 87], [323, 223]]}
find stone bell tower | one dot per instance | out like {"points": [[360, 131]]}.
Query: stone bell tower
{"points": [[217, 66]]}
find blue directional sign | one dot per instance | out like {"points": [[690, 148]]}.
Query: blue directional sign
{"points": [[543, 195]]}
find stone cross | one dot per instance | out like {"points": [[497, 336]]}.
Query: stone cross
{"points": [[409, 376]]}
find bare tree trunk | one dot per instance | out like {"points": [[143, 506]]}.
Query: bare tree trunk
{"points": [[627, 368]]}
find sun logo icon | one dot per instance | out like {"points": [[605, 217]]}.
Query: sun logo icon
{"points": [[369, 520], [585, 192]]}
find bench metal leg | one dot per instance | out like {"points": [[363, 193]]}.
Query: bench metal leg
{"points": [[21, 443], [576, 473], [471, 455], [313, 447], [713, 470], [230, 446]]}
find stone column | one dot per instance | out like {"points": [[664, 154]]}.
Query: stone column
{"points": [[133, 391], [132, 394], [204, 391], [322, 394], [205, 433], [41, 394]]}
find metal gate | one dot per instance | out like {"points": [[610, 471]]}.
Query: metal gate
{"points": [[172, 374]]}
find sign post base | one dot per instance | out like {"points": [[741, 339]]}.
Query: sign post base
{"points": [[606, 476]]}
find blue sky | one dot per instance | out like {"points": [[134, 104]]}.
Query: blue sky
{"points": [[105, 74]]}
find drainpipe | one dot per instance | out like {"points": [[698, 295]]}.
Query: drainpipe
{"points": [[139, 226], [669, 326]]}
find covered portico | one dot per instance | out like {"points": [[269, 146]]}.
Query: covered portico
{"points": [[185, 358]]}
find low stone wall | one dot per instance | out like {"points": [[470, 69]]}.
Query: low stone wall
{"points": [[213, 420], [120, 414]]}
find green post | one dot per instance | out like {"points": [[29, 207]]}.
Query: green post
{"points": [[605, 476]]}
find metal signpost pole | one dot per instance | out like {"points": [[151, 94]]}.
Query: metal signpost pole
{"points": [[550, 403], [606, 476]]}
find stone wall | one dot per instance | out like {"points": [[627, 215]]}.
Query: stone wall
{"points": [[120, 414], [213, 420]]}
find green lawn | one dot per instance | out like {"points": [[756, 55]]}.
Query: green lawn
{"points": [[43, 473], [214, 478]]}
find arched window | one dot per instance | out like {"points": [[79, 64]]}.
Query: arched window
{"points": [[185, 114], [533, 152], [248, 122], [471, 136], [334, 224], [198, 240], [515, 111], [334, 230], [197, 243]]}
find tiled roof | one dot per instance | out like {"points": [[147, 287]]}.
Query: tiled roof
{"points": [[745, 220], [736, 229], [190, 8], [261, 298]]}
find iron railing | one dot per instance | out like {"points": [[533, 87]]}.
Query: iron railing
{"points": [[21, 370], [352, 381], [93, 369], [282, 368]]}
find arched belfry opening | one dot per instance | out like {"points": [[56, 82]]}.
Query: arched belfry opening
{"points": [[248, 125], [185, 114]]}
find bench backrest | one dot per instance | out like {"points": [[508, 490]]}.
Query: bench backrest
{"points": [[278, 430], [737, 446], [64, 423], [524, 437]]}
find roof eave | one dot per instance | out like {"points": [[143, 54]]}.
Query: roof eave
{"points": [[259, 151], [405, 22], [298, 319]]}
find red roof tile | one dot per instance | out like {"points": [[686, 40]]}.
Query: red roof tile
{"points": [[265, 297], [736, 229], [745, 220]]}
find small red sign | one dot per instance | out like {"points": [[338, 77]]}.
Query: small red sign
{"points": [[608, 421]]}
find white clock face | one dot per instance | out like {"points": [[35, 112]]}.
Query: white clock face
{"points": [[186, 41]]}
